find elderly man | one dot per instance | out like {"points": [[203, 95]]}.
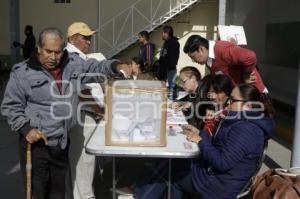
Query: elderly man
{"points": [[82, 165], [41, 97]]}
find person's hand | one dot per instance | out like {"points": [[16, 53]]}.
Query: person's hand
{"points": [[175, 106], [17, 44], [189, 128], [35, 135], [135, 71], [232, 40], [125, 69], [251, 79], [223, 114], [186, 106], [178, 107], [193, 137]]}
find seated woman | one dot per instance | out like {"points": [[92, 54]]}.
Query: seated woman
{"points": [[228, 161], [190, 81], [219, 92]]}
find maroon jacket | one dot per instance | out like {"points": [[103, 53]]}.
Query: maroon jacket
{"points": [[235, 61]]}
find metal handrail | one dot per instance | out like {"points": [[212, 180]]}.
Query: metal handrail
{"points": [[152, 23]]}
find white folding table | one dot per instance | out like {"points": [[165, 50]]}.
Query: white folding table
{"points": [[174, 149]]}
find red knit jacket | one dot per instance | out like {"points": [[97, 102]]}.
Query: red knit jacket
{"points": [[234, 61]]}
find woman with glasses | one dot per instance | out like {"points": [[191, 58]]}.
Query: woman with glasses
{"points": [[194, 106], [228, 160]]}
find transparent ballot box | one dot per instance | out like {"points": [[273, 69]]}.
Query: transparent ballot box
{"points": [[136, 113]]}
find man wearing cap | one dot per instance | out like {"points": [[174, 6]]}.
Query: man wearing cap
{"points": [[79, 39], [82, 165]]}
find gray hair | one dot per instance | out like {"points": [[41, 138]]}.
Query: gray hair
{"points": [[54, 32]]}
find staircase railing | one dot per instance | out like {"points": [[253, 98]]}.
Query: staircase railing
{"points": [[121, 31]]}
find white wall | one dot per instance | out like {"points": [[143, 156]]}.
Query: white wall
{"points": [[201, 19], [42, 14], [254, 15], [5, 27]]}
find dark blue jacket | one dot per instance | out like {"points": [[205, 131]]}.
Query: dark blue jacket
{"points": [[228, 160], [147, 55]]}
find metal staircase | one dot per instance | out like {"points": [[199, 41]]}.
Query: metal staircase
{"points": [[122, 30]]}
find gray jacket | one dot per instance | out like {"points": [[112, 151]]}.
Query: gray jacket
{"points": [[32, 98]]}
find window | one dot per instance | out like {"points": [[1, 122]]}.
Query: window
{"points": [[62, 1]]}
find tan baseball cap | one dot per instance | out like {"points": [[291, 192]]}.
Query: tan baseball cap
{"points": [[80, 28]]}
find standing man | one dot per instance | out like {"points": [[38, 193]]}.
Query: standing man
{"points": [[169, 56], [41, 97], [82, 165], [223, 57], [146, 51], [29, 43]]}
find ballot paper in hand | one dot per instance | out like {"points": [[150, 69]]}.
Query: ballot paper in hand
{"points": [[235, 34]]}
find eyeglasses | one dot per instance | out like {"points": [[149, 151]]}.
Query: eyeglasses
{"points": [[232, 100], [182, 82]]}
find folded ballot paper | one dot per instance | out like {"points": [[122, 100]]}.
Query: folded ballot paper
{"points": [[235, 34]]}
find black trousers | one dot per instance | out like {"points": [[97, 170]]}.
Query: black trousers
{"points": [[49, 167]]}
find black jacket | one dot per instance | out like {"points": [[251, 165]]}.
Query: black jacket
{"points": [[29, 46], [169, 54]]}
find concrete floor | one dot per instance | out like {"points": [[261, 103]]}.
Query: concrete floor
{"points": [[10, 178]]}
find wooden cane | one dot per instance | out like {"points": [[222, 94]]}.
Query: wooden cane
{"points": [[28, 171], [29, 168]]}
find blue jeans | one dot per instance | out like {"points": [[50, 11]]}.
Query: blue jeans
{"points": [[171, 76], [155, 186]]}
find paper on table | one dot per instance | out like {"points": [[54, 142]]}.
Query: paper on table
{"points": [[235, 34], [175, 118]]}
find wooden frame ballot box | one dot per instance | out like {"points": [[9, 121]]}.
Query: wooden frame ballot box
{"points": [[136, 113]]}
